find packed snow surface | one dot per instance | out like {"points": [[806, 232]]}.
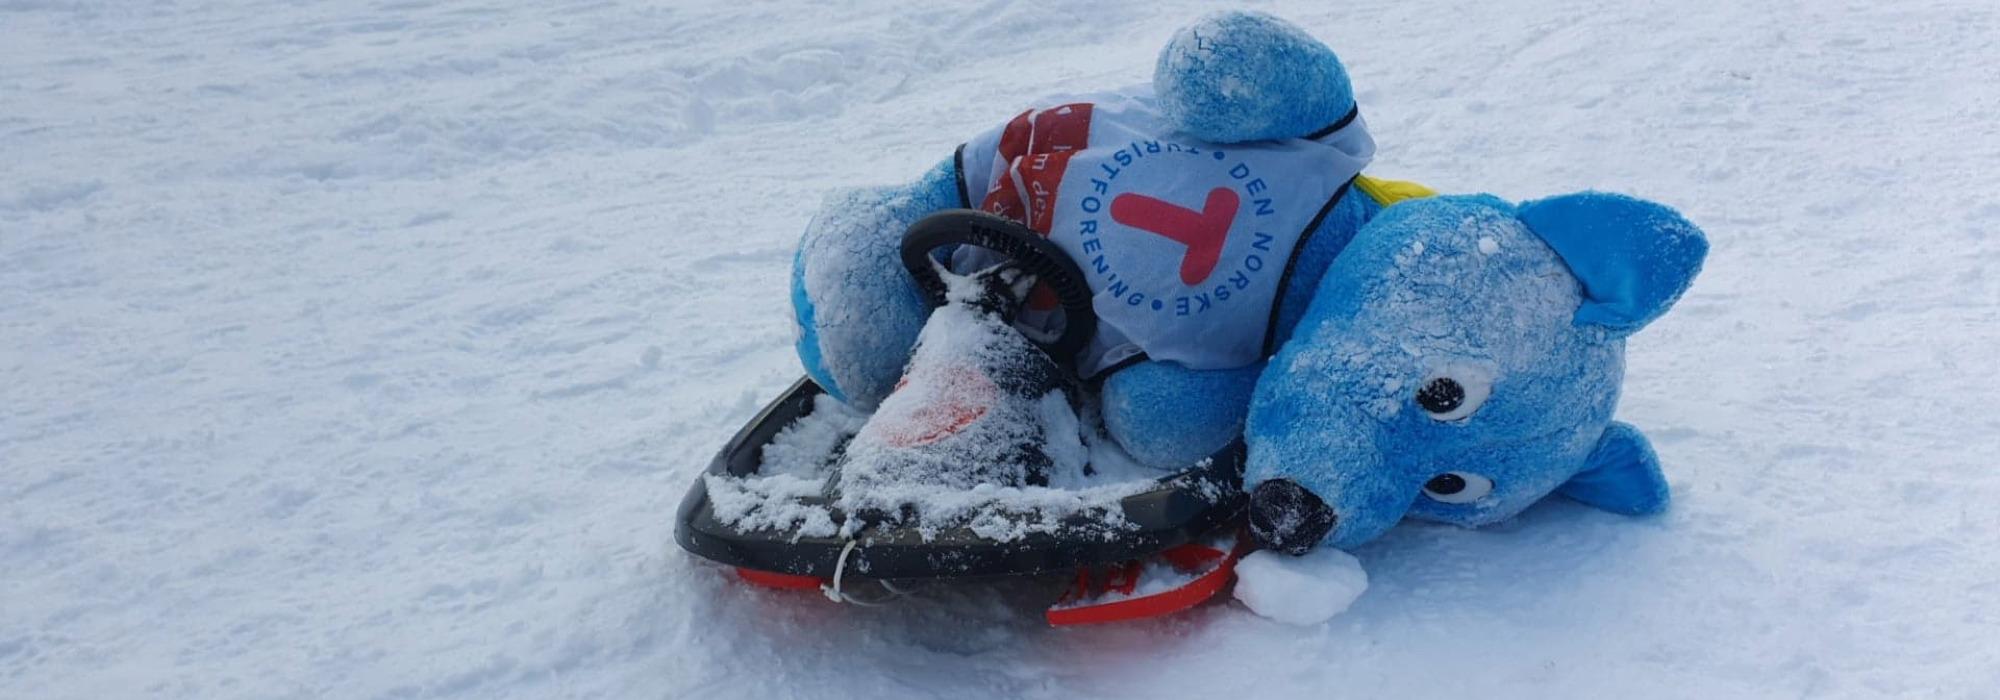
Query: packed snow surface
{"points": [[978, 406], [932, 491], [806, 446], [364, 350], [1302, 590], [977, 434]]}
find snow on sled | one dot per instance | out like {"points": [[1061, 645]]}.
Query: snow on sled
{"points": [[984, 462]]}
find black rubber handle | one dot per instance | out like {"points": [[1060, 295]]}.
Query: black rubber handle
{"points": [[1019, 243]]}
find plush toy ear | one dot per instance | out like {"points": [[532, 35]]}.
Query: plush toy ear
{"points": [[1634, 257], [1622, 476]]}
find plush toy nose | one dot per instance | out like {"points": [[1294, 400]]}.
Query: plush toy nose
{"points": [[1287, 518]]}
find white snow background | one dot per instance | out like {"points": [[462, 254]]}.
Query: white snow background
{"points": [[364, 350]]}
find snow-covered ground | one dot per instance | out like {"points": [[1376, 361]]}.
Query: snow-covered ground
{"points": [[363, 350]]}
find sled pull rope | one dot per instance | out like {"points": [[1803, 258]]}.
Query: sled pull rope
{"points": [[832, 590]]}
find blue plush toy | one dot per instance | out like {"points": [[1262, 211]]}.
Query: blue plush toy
{"points": [[1203, 208], [1212, 213]]}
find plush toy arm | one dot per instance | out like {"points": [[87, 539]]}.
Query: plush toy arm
{"points": [[1168, 416], [857, 310], [1623, 475], [1235, 76]]}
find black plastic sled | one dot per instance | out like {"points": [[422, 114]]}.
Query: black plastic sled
{"points": [[1187, 519], [1180, 509]]}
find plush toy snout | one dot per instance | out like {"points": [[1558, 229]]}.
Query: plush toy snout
{"points": [[1285, 517]]}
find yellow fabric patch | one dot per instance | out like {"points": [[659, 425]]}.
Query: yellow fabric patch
{"points": [[1387, 192]]}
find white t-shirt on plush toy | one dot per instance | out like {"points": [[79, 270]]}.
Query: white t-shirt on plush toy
{"points": [[1184, 243]]}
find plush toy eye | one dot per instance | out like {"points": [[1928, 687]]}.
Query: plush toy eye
{"points": [[1441, 395], [1458, 487], [1447, 398]]}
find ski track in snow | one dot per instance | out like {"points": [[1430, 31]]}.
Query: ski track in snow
{"points": [[364, 350]]}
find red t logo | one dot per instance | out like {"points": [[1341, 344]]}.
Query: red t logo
{"points": [[1203, 232]]}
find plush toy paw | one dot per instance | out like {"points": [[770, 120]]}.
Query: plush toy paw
{"points": [[857, 310], [1168, 417], [1245, 76]]}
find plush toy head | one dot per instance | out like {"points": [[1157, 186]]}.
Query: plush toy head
{"points": [[1460, 361]]}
